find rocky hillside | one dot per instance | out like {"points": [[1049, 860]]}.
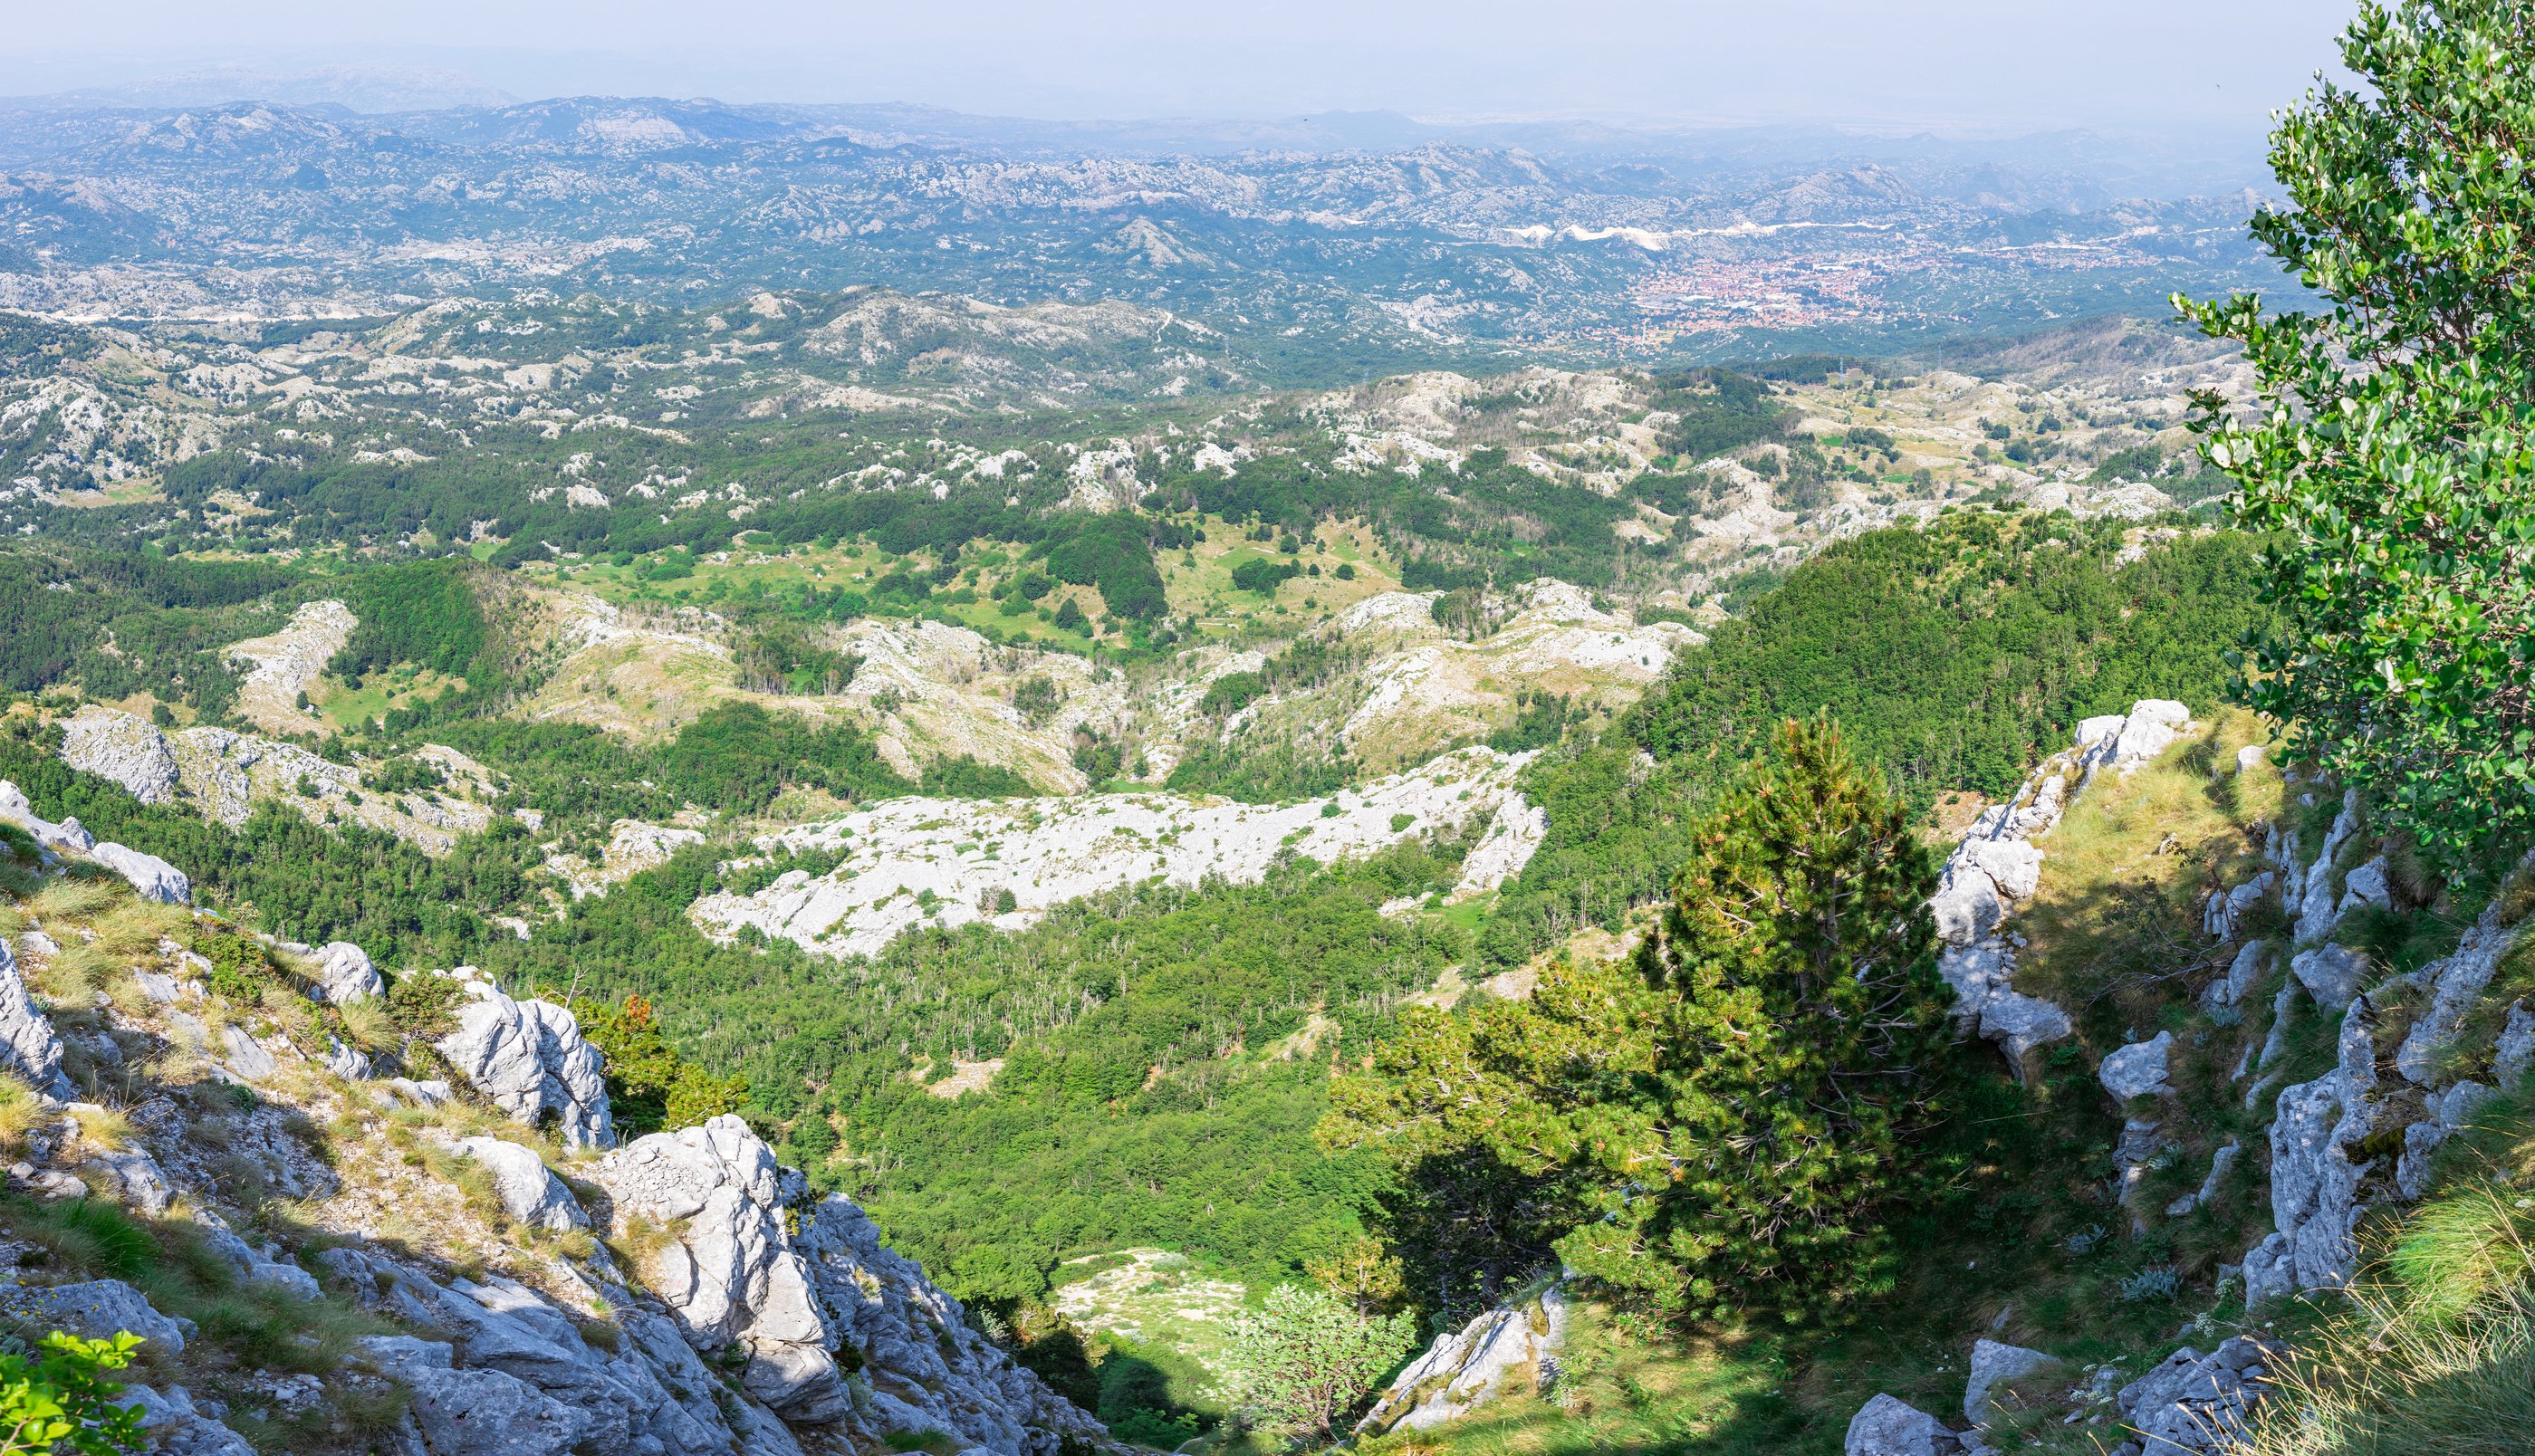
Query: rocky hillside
{"points": [[350, 1215], [2280, 1026]]}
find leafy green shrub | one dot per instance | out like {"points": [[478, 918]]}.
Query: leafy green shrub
{"points": [[59, 1401], [2385, 449], [1306, 1359]]}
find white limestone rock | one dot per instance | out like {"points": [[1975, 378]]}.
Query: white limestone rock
{"points": [[135, 1177], [475, 1411], [349, 1063], [2315, 1185], [2316, 907], [1464, 1368], [1888, 1426], [2219, 921], [2330, 974], [96, 1309], [151, 877], [66, 837], [927, 1367], [344, 974], [2455, 986], [2138, 1069], [1995, 1365], [529, 1192], [531, 1058], [2192, 1405], [731, 1275], [2368, 884], [2515, 1056], [649, 1396], [2244, 973], [912, 862], [28, 1042]]}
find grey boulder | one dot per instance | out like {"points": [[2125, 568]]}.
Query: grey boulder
{"points": [[2330, 974], [28, 1045], [531, 1058], [1993, 1365], [1888, 1426], [97, 1309], [2138, 1069], [2195, 1405], [475, 1411], [154, 878], [345, 973], [529, 1192]]}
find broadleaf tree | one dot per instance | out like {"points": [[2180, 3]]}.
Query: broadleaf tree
{"points": [[2386, 453]]}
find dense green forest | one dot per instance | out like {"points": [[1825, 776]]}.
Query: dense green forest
{"points": [[1953, 656], [1983, 639]]}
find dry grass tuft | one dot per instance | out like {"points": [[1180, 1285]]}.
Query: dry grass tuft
{"points": [[73, 898], [104, 1126]]}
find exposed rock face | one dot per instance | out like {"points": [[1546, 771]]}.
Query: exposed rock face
{"points": [[1997, 865], [2197, 1403], [224, 775], [2225, 910], [2138, 1069], [2124, 742], [28, 1041], [345, 973], [529, 1192], [903, 862], [1995, 1365], [924, 1367], [66, 837], [2329, 973], [2314, 1187], [512, 1373], [735, 1277], [528, 1056], [2312, 902], [731, 1276], [1888, 1426], [1461, 1370], [154, 878], [96, 1309]]}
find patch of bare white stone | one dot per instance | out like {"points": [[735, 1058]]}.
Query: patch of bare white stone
{"points": [[835, 1342]]}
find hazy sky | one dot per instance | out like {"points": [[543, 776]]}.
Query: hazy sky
{"points": [[1971, 66]]}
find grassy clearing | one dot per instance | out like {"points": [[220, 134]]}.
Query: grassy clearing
{"points": [[2115, 925]]}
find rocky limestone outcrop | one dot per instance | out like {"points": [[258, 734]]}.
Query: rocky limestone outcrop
{"points": [[2193, 1404], [749, 1267], [910, 862], [925, 1366], [28, 1041], [154, 878], [224, 775], [1997, 865], [1888, 1426], [729, 1273], [1996, 1365], [2322, 1174], [530, 1057], [344, 973], [532, 1196], [1505, 1351]]}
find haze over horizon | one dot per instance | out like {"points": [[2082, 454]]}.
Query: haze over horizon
{"points": [[1960, 68]]}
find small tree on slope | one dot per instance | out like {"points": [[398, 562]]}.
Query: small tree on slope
{"points": [[2388, 451], [1732, 1114], [1304, 1361]]}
